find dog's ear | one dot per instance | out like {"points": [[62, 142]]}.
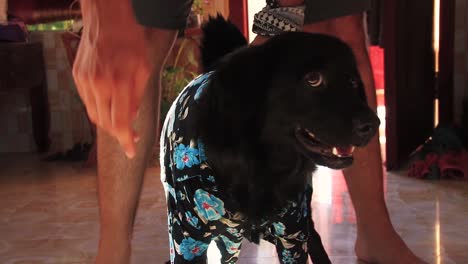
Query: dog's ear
{"points": [[233, 102]]}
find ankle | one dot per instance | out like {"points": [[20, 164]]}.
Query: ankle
{"points": [[374, 221]]}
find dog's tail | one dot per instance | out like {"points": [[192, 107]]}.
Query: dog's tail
{"points": [[220, 37]]}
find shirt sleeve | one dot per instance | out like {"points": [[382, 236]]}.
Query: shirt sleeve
{"points": [[165, 14], [318, 10]]}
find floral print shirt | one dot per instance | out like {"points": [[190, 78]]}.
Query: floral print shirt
{"points": [[196, 212]]}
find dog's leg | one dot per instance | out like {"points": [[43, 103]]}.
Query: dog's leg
{"points": [[295, 237], [186, 250], [315, 248], [200, 260], [290, 238], [290, 233], [188, 244], [229, 244]]}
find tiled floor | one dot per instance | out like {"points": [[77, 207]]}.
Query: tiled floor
{"points": [[48, 214]]}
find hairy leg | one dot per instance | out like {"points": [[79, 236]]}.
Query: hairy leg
{"points": [[377, 240], [120, 178]]}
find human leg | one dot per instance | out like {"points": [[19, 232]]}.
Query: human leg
{"points": [[120, 178], [377, 240]]}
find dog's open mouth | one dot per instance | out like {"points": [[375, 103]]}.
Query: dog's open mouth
{"points": [[336, 157]]}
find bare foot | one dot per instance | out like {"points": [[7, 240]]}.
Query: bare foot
{"points": [[384, 249]]}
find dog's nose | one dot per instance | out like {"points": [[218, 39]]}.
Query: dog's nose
{"points": [[365, 126]]}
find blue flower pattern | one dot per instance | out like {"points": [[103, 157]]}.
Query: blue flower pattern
{"points": [[171, 190], [305, 208], [192, 220], [209, 206], [199, 79], [231, 247], [171, 247], [201, 151], [279, 228], [287, 257], [185, 156], [211, 178], [180, 196], [234, 232], [183, 95], [188, 155], [186, 177], [200, 89], [191, 248], [302, 236]]}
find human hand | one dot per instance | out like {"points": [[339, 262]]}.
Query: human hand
{"points": [[112, 68]]}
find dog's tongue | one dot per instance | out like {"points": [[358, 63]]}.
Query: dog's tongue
{"points": [[345, 151]]}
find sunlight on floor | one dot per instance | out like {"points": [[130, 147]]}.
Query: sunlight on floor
{"points": [[213, 254]]}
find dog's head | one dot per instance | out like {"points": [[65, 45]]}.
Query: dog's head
{"points": [[271, 112], [316, 100]]}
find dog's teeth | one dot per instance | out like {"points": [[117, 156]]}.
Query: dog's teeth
{"points": [[335, 152], [310, 133], [352, 149]]}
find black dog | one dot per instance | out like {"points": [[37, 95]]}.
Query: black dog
{"points": [[241, 141]]}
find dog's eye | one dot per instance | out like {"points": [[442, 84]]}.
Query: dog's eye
{"points": [[354, 83], [314, 79]]}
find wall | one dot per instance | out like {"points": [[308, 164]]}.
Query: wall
{"points": [[3, 11], [213, 7], [69, 124], [253, 7]]}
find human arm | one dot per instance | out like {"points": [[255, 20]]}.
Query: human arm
{"points": [[112, 67]]}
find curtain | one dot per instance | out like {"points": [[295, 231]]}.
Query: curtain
{"points": [[375, 22]]}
